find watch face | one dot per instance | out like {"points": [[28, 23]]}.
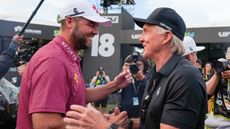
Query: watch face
{"points": [[113, 126]]}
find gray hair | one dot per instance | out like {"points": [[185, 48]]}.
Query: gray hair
{"points": [[176, 44]]}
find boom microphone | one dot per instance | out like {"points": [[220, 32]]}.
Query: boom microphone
{"points": [[31, 17]]}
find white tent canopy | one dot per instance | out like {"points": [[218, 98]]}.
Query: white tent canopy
{"points": [[196, 13]]}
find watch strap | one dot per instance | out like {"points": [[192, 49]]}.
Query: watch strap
{"points": [[113, 126]]}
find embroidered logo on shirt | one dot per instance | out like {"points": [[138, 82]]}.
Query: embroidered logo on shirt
{"points": [[76, 78], [158, 91]]}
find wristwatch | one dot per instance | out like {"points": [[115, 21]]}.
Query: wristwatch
{"points": [[113, 126]]}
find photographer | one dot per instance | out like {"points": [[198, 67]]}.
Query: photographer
{"points": [[99, 80], [7, 58], [220, 113], [131, 95]]}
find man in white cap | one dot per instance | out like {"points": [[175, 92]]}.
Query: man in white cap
{"points": [[53, 80], [191, 49], [191, 54]]}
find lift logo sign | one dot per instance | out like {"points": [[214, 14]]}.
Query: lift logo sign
{"points": [[135, 36], [224, 34], [113, 19], [29, 31]]}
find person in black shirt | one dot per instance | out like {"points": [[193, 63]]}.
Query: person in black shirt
{"points": [[132, 95], [175, 95]]}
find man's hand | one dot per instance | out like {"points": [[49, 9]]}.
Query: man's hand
{"points": [[85, 118], [21, 69], [17, 38], [123, 79], [118, 118], [226, 74]]}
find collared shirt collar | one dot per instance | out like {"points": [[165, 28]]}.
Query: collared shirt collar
{"points": [[70, 52], [170, 65]]}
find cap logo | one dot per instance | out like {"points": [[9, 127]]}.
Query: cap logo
{"points": [[76, 11], [95, 9], [191, 49], [164, 25]]}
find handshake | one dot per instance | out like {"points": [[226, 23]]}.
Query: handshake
{"points": [[90, 118]]}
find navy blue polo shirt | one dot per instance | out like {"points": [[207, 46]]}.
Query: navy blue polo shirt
{"points": [[179, 97]]}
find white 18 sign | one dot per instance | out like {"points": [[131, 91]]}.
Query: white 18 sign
{"points": [[103, 45]]}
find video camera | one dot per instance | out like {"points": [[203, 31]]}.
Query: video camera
{"points": [[133, 67], [26, 51], [221, 65]]}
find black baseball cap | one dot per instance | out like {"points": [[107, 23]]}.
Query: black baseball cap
{"points": [[166, 18], [100, 69]]}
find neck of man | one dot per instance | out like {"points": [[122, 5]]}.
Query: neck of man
{"points": [[161, 59], [68, 39]]}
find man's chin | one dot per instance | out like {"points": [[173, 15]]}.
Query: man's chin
{"points": [[85, 47]]}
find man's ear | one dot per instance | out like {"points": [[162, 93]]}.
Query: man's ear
{"points": [[168, 36], [68, 21]]}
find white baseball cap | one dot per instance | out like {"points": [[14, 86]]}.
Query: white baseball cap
{"points": [[190, 46], [80, 8]]}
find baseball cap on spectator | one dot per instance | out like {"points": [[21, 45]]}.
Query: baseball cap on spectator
{"points": [[79, 8], [100, 69], [190, 46], [166, 18]]}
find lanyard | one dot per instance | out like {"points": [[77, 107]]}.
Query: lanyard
{"points": [[136, 88]]}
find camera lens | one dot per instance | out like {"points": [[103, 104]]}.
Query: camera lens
{"points": [[133, 68]]}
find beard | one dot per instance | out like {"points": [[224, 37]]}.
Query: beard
{"points": [[80, 40]]}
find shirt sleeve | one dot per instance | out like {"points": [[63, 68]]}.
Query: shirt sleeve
{"points": [[49, 91], [7, 58], [183, 103]]}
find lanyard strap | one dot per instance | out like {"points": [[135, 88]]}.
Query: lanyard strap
{"points": [[136, 88]]}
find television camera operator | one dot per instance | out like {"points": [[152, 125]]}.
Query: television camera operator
{"points": [[7, 58], [219, 117], [18, 54], [8, 92]]}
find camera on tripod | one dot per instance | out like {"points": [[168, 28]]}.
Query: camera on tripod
{"points": [[221, 65]]}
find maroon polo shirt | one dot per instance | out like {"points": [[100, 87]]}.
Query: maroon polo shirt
{"points": [[51, 82]]}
